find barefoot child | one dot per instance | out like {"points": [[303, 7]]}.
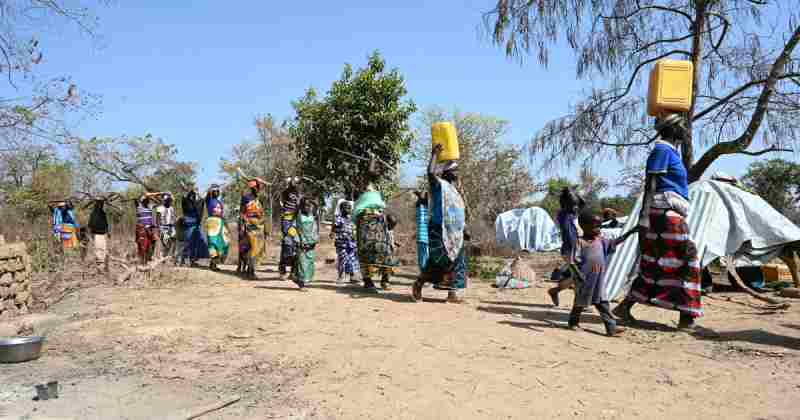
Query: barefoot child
{"points": [[592, 254]]}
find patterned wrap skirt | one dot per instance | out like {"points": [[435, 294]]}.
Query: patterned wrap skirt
{"points": [[146, 238], [375, 252], [288, 242], [669, 272], [218, 240], [253, 235], [439, 268]]}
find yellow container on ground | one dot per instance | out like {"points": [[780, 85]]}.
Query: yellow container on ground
{"points": [[444, 133], [670, 88], [774, 272]]}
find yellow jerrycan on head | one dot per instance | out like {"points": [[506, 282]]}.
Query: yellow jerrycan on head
{"points": [[670, 88], [444, 133]]}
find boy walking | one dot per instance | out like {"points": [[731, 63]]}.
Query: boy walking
{"points": [[593, 253]]}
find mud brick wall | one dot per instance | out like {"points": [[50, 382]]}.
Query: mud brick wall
{"points": [[15, 280]]}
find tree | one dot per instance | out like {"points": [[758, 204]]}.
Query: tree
{"points": [[51, 180], [364, 114], [745, 72], [589, 187], [36, 106], [622, 204], [778, 182], [143, 161], [493, 175], [553, 187], [270, 157]]}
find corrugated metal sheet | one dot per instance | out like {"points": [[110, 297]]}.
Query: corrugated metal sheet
{"points": [[624, 266]]}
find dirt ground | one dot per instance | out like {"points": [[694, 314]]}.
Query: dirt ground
{"points": [[336, 353]]}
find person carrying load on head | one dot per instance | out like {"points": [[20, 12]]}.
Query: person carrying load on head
{"points": [[567, 219], [146, 227], [375, 250], [216, 231], [99, 227], [195, 246], [445, 266], [343, 233], [251, 228], [290, 203], [65, 225], [669, 271], [307, 239], [166, 220]]}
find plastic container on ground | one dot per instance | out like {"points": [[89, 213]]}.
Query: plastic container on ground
{"points": [[444, 133], [774, 273], [670, 88]]}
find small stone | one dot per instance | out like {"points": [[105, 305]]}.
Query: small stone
{"points": [[6, 279], [22, 298]]}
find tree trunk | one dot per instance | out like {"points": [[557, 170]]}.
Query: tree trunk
{"points": [[687, 148]]}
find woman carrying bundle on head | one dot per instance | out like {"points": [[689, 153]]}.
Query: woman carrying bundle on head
{"points": [[216, 230], [251, 228], [65, 225], [374, 243], [146, 227], [307, 239], [290, 202], [195, 246], [166, 221], [343, 233]]}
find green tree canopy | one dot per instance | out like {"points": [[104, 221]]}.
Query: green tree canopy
{"points": [[778, 182], [364, 114]]}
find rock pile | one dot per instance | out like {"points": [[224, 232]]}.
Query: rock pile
{"points": [[15, 280]]}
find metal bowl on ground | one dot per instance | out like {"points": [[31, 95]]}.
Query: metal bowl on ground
{"points": [[20, 349]]}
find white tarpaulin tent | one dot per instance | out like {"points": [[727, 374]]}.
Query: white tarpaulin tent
{"points": [[723, 220], [529, 229]]}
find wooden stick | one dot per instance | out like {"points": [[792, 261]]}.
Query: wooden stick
{"points": [[388, 166], [197, 412]]}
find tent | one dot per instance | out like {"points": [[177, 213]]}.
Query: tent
{"points": [[529, 229], [723, 221]]}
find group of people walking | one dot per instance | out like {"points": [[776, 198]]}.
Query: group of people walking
{"points": [[363, 234], [160, 232]]}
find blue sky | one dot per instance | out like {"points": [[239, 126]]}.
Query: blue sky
{"points": [[197, 73]]}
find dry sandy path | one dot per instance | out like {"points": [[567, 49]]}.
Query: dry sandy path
{"points": [[336, 353]]}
